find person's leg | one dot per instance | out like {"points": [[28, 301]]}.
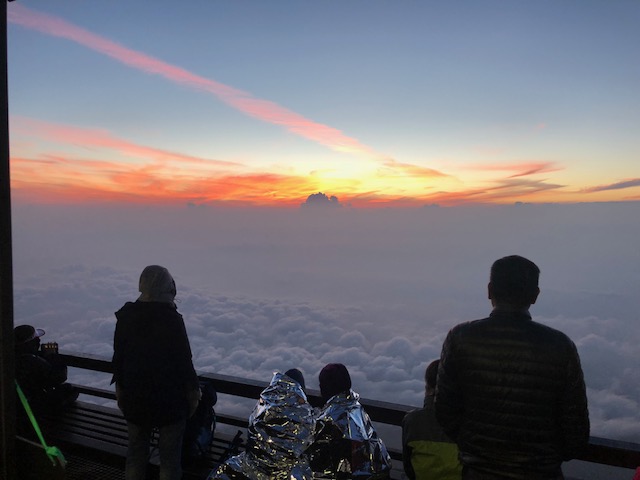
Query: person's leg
{"points": [[170, 446], [137, 452]]}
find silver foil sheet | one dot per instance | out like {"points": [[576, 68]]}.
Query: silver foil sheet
{"points": [[359, 452], [281, 427]]}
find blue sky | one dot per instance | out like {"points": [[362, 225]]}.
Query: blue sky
{"points": [[379, 103]]}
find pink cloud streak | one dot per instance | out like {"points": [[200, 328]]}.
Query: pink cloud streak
{"points": [[520, 169], [103, 139], [264, 110]]}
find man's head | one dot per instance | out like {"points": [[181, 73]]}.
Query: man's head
{"points": [[334, 379], [514, 282]]}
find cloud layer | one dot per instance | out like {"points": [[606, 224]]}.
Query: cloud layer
{"points": [[376, 290]]}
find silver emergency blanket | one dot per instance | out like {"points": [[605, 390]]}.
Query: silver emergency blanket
{"points": [[359, 453], [281, 427]]}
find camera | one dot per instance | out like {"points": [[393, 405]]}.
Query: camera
{"points": [[49, 347]]}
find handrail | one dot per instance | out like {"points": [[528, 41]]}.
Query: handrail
{"points": [[600, 450], [384, 412]]}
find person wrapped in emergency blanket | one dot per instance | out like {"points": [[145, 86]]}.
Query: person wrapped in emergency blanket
{"points": [[281, 427], [346, 445]]}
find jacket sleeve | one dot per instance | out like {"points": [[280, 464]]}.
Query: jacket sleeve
{"points": [[38, 373], [116, 361], [574, 418], [448, 398], [56, 370]]}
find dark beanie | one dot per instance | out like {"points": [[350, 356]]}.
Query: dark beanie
{"points": [[334, 379], [296, 375]]}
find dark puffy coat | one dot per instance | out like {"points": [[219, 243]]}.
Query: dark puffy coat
{"points": [[152, 363], [511, 394]]}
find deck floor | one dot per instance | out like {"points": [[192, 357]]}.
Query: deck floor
{"points": [[80, 468]]}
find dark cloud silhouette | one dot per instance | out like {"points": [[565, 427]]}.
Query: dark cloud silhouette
{"points": [[321, 200]]}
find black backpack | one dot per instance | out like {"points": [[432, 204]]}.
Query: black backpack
{"points": [[198, 434]]}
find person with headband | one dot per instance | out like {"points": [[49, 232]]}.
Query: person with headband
{"points": [[41, 373]]}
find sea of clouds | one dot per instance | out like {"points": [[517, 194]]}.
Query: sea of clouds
{"points": [[377, 290]]}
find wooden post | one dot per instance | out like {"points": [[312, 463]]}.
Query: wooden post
{"points": [[7, 366]]}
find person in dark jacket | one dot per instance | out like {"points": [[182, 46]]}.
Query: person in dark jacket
{"points": [[156, 384], [41, 374], [511, 391], [427, 452]]}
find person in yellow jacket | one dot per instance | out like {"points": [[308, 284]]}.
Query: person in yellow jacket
{"points": [[427, 453]]}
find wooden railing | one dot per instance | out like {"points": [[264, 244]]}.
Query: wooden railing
{"points": [[600, 450]]}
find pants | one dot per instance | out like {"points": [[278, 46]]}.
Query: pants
{"points": [[170, 447]]}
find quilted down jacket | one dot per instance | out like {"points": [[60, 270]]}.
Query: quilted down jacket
{"points": [[511, 394]]}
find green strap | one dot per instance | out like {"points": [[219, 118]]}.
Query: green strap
{"points": [[52, 452]]}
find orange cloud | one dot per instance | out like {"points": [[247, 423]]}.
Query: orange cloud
{"points": [[505, 191], [394, 168], [264, 110], [62, 180]]}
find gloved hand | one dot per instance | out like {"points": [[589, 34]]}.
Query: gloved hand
{"points": [[193, 399]]}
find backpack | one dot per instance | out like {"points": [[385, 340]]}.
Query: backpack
{"points": [[198, 433]]}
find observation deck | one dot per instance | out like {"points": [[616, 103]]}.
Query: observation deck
{"points": [[89, 447]]}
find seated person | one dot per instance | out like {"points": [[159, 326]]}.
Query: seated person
{"points": [[427, 452], [347, 445], [41, 372], [281, 427]]}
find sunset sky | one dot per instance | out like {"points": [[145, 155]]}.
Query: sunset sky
{"points": [[379, 103], [126, 115]]}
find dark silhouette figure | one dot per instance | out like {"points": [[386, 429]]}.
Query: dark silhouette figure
{"points": [[156, 384], [347, 445], [427, 452], [41, 374], [510, 391], [281, 428]]}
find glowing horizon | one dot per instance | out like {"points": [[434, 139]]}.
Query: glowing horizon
{"points": [[58, 160]]}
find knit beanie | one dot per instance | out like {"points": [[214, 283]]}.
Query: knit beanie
{"points": [[334, 379]]}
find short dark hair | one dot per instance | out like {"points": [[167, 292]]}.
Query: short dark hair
{"points": [[514, 280], [334, 379], [431, 374], [296, 375]]}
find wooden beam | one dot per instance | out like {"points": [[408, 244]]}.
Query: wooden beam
{"points": [[7, 362]]}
